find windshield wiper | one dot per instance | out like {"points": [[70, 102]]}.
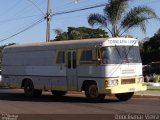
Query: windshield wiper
{"points": [[118, 51], [127, 52]]}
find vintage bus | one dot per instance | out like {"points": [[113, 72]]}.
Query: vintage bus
{"points": [[96, 66]]}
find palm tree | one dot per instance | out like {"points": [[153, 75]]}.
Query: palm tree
{"points": [[118, 21]]}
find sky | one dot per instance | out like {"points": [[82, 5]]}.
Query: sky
{"points": [[17, 15]]}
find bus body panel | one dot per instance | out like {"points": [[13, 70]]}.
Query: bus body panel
{"points": [[104, 71], [38, 63]]}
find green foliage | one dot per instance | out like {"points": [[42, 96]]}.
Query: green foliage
{"points": [[147, 77], [150, 50], [118, 21], [156, 78], [80, 33], [153, 78]]}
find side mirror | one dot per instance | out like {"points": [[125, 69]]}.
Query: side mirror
{"points": [[97, 61]]}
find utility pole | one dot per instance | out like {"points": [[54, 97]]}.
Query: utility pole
{"points": [[48, 17]]}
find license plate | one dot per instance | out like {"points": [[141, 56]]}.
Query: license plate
{"points": [[131, 89]]}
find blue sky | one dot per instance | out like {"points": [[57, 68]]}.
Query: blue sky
{"points": [[16, 15]]}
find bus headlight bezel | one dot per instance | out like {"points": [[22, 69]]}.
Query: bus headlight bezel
{"points": [[112, 82], [140, 80]]}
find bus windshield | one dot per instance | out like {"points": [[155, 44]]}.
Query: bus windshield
{"points": [[120, 54]]}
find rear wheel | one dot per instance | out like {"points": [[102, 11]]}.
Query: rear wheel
{"points": [[58, 93], [92, 94], [124, 96], [29, 89]]}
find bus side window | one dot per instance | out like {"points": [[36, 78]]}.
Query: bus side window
{"points": [[87, 57], [60, 57]]}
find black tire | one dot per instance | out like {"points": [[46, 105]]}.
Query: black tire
{"points": [[124, 96], [91, 92], [58, 93], [29, 88], [37, 93]]}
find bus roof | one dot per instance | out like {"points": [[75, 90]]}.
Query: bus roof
{"points": [[71, 44]]}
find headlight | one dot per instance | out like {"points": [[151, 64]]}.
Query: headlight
{"points": [[112, 82], [140, 80]]}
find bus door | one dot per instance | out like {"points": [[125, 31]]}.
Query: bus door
{"points": [[72, 70]]}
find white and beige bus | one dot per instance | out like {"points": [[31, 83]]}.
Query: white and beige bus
{"points": [[96, 66]]}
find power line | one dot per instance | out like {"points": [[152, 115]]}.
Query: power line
{"points": [[55, 14], [37, 7], [25, 9], [77, 10], [10, 8], [19, 18], [69, 5], [27, 28]]}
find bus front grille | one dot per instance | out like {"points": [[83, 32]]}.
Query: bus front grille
{"points": [[128, 81]]}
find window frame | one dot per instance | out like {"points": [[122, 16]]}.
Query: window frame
{"points": [[84, 62], [57, 57]]}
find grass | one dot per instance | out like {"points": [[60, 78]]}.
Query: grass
{"points": [[153, 87], [151, 91], [2, 84]]}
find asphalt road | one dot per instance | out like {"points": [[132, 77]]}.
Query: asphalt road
{"points": [[13, 101]]}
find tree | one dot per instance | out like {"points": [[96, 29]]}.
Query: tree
{"points": [[117, 21], [61, 35], [150, 50], [80, 33]]}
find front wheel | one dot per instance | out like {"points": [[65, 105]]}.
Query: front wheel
{"points": [[124, 96], [92, 94]]}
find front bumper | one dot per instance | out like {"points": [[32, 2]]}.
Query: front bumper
{"points": [[126, 88]]}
